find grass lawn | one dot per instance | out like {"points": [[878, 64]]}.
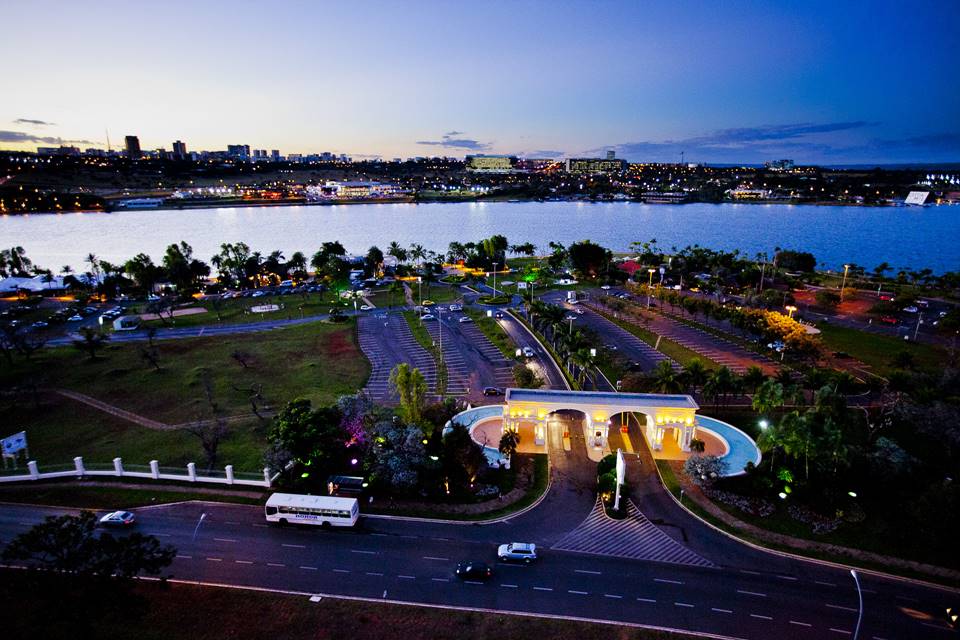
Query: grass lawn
{"points": [[494, 333], [236, 310], [73, 494], [439, 293], [179, 611], [420, 333], [318, 361], [878, 350]]}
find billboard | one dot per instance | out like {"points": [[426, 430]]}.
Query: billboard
{"points": [[12, 444]]}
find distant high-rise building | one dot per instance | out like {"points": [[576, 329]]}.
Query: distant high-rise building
{"points": [[179, 150], [275, 155], [241, 151], [133, 147], [611, 154]]}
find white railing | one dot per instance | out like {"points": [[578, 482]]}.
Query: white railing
{"points": [[226, 476]]}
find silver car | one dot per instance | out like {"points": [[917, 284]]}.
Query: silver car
{"points": [[525, 552]]}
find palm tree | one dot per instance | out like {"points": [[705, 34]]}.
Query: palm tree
{"points": [[397, 252], [754, 377], [509, 442], [394, 288], [664, 378], [767, 397], [695, 374], [418, 253]]}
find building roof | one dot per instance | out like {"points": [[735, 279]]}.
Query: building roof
{"points": [[601, 398]]}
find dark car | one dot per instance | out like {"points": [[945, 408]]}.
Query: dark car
{"points": [[118, 519], [492, 391], [888, 320], [473, 571]]}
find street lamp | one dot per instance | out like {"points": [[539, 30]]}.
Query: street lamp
{"points": [[495, 279], [843, 285], [420, 291], [649, 285], [790, 308]]}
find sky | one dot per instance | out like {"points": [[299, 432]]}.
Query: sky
{"points": [[740, 82]]}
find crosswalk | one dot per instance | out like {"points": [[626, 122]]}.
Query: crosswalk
{"points": [[633, 537], [374, 332]]}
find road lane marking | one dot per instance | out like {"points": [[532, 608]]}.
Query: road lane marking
{"points": [[215, 559], [651, 600], [683, 604], [440, 579], [369, 553], [472, 582], [760, 617], [826, 584], [720, 610], [786, 577], [753, 573], [373, 573], [381, 535], [435, 558], [592, 573], [843, 631], [579, 593], [612, 595], [836, 606], [308, 568], [664, 580], [186, 557], [907, 598], [543, 589], [159, 535], [230, 522], [509, 586], [801, 624], [275, 564], [224, 540], [244, 561], [262, 526], [407, 577], [410, 537], [752, 593], [441, 539], [294, 546]]}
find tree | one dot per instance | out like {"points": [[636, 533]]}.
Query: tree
{"points": [[697, 445], [795, 261], [461, 458], [768, 396], [411, 386], [827, 299], [143, 271], [91, 341], [398, 455], [312, 436], [373, 263], [397, 252], [754, 377], [525, 378], [509, 442], [695, 374], [14, 262], [665, 379], [589, 259]]}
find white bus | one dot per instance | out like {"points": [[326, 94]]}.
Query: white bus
{"points": [[290, 508]]}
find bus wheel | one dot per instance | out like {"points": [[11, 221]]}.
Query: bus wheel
{"points": [[283, 522], [325, 524]]}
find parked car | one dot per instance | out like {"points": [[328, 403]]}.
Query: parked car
{"points": [[365, 307], [465, 319], [910, 309], [492, 391], [472, 570], [40, 324], [456, 307], [118, 519], [527, 352], [525, 552], [605, 287], [428, 316], [579, 311], [888, 320], [75, 318]]}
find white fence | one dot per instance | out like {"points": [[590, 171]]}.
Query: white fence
{"points": [[79, 470]]}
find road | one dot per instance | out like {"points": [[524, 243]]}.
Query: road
{"points": [[711, 584]]}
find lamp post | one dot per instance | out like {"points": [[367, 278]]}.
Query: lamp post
{"points": [[420, 291], [649, 285], [843, 285], [856, 631], [790, 308], [495, 279]]}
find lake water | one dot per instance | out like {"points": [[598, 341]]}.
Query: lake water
{"points": [[902, 236]]}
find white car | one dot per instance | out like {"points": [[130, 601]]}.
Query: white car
{"points": [[365, 307], [118, 519], [605, 287], [527, 352], [910, 309], [517, 551], [75, 318], [428, 316], [456, 307], [465, 319], [579, 311]]}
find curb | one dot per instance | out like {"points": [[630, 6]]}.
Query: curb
{"points": [[542, 346], [793, 556]]}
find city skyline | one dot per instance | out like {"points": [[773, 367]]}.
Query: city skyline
{"points": [[743, 83]]}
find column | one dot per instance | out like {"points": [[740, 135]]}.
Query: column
{"points": [[192, 471], [266, 477], [155, 469], [118, 467], [34, 471], [229, 471], [78, 463]]}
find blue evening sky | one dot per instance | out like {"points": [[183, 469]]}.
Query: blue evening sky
{"points": [[831, 82]]}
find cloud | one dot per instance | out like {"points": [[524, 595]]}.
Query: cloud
{"points": [[542, 153], [451, 142], [21, 137], [39, 123]]}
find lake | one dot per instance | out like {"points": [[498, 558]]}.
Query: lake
{"points": [[902, 236]]}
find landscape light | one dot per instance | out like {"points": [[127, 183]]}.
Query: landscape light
{"points": [[764, 424], [783, 496], [852, 494]]}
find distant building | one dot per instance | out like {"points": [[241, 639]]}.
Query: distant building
{"points": [[179, 150], [58, 151], [275, 155], [352, 190], [491, 164], [611, 154], [917, 198], [780, 165], [132, 147], [238, 151], [743, 193], [595, 165]]}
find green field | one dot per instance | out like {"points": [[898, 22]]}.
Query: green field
{"points": [[237, 310], [318, 361], [878, 351], [494, 332]]}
